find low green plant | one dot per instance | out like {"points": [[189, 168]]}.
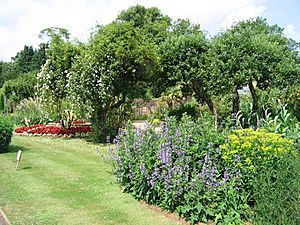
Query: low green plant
{"points": [[6, 129], [115, 119]]}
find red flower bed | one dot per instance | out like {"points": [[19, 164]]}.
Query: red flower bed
{"points": [[52, 129]]}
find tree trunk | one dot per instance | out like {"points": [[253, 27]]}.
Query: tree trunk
{"points": [[99, 125], [204, 97], [235, 101], [254, 96]]}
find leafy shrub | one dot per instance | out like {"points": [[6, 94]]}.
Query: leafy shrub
{"points": [[255, 149], [190, 108], [6, 130], [271, 99]]}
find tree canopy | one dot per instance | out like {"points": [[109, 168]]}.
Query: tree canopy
{"points": [[251, 51]]}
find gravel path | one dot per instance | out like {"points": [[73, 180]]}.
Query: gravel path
{"points": [[3, 219]]}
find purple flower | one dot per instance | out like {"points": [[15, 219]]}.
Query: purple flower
{"points": [[143, 168]]}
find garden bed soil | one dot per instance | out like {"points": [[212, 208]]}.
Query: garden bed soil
{"points": [[172, 216]]}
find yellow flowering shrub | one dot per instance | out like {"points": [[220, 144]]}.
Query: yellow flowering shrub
{"points": [[249, 148]]}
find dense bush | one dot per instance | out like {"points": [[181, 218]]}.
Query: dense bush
{"points": [[189, 108], [202, 174], [6, 130]]}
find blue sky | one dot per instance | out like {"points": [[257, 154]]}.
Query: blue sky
{"points": [[22, 20]]}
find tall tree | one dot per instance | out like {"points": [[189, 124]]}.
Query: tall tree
{"points": [[115, 66], [52, 80], [183, 60], [8, 71], [23, 59]]}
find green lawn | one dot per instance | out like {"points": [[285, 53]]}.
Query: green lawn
{"points": [[64, 181]]}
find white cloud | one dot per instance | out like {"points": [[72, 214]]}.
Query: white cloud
{"points": [[292, 31], [243, 12], [21, 21]]}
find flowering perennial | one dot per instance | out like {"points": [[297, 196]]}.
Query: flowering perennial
{"points": [[52, 129]]}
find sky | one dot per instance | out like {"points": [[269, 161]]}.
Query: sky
{"points": [[22, 20]]}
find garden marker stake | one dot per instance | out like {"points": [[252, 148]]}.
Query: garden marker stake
{"points": [[19, 156]]}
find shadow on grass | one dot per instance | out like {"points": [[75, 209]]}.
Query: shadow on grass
{"points": [[16, 148], [26, 168]]}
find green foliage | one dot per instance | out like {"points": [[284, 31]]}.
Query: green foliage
{"points": [[6, 129], [283, 122], [183, 59], [277, 193], [184, 27], [55, 32], [27, 60], [1, 100], [251, 51], [20, 88], [180, 168], [7, 72], [190, 168], [188, 108]]}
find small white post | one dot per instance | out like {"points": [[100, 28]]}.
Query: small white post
{"points": [[19, 156]]}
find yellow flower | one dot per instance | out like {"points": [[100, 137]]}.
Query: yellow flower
{"points": [[248, 161]]}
